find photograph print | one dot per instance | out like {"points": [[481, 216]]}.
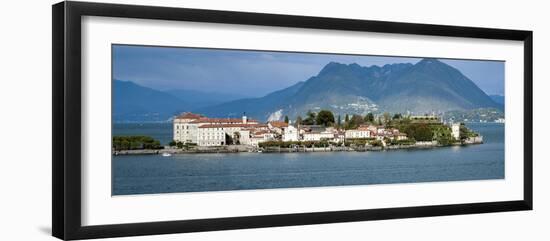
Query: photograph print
{"points": [[203, 119]]}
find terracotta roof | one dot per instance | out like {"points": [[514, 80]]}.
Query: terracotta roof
{"points": [[363, 129], [189, 115], [278, 124], [222, 120], [318, 132], [227, 125], [260, 132]]}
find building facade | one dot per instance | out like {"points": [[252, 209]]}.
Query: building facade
{"points": [[291, 133], [204, 131], [184, 130], [318, 133], [358, 133], [455, 130]]}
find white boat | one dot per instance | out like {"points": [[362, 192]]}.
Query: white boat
{"points": [[166, 154]]}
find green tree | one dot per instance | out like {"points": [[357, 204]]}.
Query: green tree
{"points": [[369, 117], [466, 133], [354, 122], [179, 144], [397, 116], [125, 145], [310, 118], [423, 133], [172, 143], [376, 143], [346, 119], [387, 117], [357, 120], [339, 122], [286, 119], [325, 117], [442, 134], [135, 143], [420, 132]]}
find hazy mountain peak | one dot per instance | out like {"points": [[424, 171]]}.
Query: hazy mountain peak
{"points": [[356, 69], [330, 67], [355, 65], [429, 61], [133, 102]]}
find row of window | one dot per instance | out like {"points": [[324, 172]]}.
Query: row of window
{"points": [[211, 143], [211, 137], [185, 127]]}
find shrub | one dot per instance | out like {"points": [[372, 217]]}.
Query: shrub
{"points": [[135, 143], [376, 143]]}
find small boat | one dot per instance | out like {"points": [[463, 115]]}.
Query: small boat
{"points": [[166, 154]]}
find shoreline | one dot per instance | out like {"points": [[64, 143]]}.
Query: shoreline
{"points": [[241, 149]]}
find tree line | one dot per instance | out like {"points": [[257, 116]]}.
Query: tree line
{"points": [[135, 143], [327, 118]]}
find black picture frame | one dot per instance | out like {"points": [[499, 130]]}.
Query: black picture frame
{"points": [[66, 158]]}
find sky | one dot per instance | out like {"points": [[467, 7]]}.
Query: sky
{"points": [[257, 73]]}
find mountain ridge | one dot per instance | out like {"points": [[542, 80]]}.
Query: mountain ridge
{"points": [[427, 86], [133, 102]]}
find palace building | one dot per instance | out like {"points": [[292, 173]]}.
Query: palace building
{"points": [[204, 131]]}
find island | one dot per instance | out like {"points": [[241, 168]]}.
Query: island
{"points": [[315, 132]]}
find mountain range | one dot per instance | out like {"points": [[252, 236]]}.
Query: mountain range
{"points": [[136, 103], [425, 87]]}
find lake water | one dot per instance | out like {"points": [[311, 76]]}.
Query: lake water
{"points": [[148, 174]]}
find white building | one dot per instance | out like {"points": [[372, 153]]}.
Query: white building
{"points": [[318, 133], [291, 134], [455, 130], [216, 134], [381, 131], [339, 136], [261, 136], [184, 131], [358, 133], [400, 136], [277, 126], [194, 128], [318, 136], [244, 137], [253, 137], [211, 135]]}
